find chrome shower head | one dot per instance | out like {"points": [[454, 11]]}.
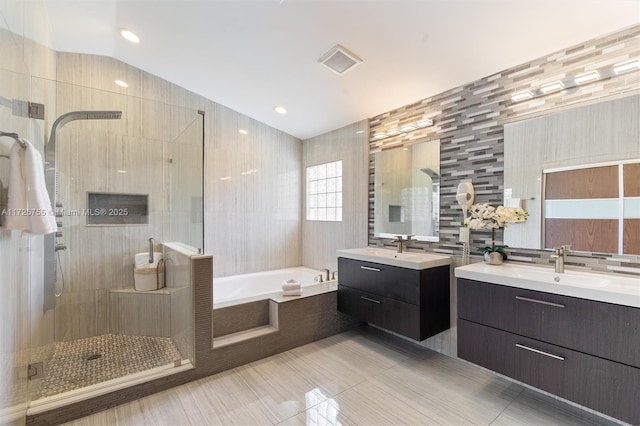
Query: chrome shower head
{"points": [[81, 115]]}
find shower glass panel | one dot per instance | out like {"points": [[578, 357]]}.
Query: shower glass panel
{"points": [[102, 330]]}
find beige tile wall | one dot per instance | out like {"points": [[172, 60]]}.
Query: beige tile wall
{"points": [[322, 239]]}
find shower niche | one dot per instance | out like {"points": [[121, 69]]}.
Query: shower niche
{"points": [[106, 209]]}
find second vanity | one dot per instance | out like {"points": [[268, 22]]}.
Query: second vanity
{"points": [[407, 293], [573, 334]]}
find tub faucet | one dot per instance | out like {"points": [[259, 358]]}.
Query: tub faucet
{"points": [[327, 275], [152, 242], [558, 254]]}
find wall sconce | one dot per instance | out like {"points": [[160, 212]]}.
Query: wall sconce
{"points": [[552, 87], [579, 79], [405, 128], [626, 66]]}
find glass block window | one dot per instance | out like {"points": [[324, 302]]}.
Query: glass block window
{"points": [[324, 192]]}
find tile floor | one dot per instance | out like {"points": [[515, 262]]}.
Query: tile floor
{"points": [[116, 355], [361, 377]]}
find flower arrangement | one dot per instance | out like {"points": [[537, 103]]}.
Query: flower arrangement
{"points": [[484, 216]]}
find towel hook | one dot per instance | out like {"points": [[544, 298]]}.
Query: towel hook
{"points": [[14, 136]]}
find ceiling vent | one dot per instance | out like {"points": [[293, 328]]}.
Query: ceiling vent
{"points": [[339, 60]]}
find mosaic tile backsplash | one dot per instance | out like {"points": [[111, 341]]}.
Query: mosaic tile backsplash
{"points": [[468, 121]]}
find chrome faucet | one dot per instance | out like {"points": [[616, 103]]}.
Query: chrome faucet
{"points": [[558, 254], [152, 242], [399, 241]]}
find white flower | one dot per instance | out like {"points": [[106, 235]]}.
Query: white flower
{"points": [[484, 216]]}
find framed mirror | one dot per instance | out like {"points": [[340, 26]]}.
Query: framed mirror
{"points": [[407, 192], [574, 172]]}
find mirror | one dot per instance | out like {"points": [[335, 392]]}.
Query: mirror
{"points": [[407, 192], [585, 138]]}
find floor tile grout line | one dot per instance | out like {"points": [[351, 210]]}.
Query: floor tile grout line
{"points": [[508, 405]]}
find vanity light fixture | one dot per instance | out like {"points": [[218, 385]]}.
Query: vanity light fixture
{"points": [[121, 171], [626, 66], [380, 136], [393, 132], [424, 123], [280, 110], [129, 35], [408, 127], [121, 83], [587, 77], [551, 87], [359, 132], [243, 132], [521, 96]]}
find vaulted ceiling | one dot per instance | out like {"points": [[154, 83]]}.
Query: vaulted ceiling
{"points": [[252, 55]]}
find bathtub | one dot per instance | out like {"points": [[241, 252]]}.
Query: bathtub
{"points": [[259, 285]]}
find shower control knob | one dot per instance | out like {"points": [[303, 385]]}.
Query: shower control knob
{"points": [[59, 234], [60, 247], [59, 204]]}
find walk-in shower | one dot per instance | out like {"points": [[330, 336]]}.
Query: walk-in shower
{"points": [[51, 246], [142, 159]]}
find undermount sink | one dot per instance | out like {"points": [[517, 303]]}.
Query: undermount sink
{"points": [[393, 258], [587, 285]]}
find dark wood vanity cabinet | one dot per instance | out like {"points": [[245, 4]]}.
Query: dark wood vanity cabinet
{"points": [[581, 350], [413, 303]]}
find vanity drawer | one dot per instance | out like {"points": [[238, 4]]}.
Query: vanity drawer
{"points": [[401, 284], [393, 315], [597, 328], [609, 387]]}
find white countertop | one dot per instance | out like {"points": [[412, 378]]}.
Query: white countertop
{"points": [[409, 260], [610, 288]]}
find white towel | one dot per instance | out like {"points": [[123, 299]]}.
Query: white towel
{"points": [[292, 293], [28, 192], [287, 287], [17, 196]]}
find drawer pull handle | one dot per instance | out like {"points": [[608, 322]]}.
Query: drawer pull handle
{"points": [[370, 300], [561, 358], [542, 302], [369, 268]]}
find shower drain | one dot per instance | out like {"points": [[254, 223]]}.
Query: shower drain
{"points": [[94, 356]]}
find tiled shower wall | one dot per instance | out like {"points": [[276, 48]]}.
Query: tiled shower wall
{"points": [[468, 121]]}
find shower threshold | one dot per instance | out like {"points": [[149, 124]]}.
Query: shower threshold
{"points": [[65, 398]]}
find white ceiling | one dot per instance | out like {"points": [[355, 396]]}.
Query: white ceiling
{"points": [[254, 55]]}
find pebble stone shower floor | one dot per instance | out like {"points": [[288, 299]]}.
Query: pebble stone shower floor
{"points": [[84, 362]]}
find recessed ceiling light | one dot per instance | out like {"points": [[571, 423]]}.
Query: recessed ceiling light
{"points": [[280, 110], [626, 66], [121, 83], [551, 87], [129, 35], [243, 132], [521, 96], [587, 77]]}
